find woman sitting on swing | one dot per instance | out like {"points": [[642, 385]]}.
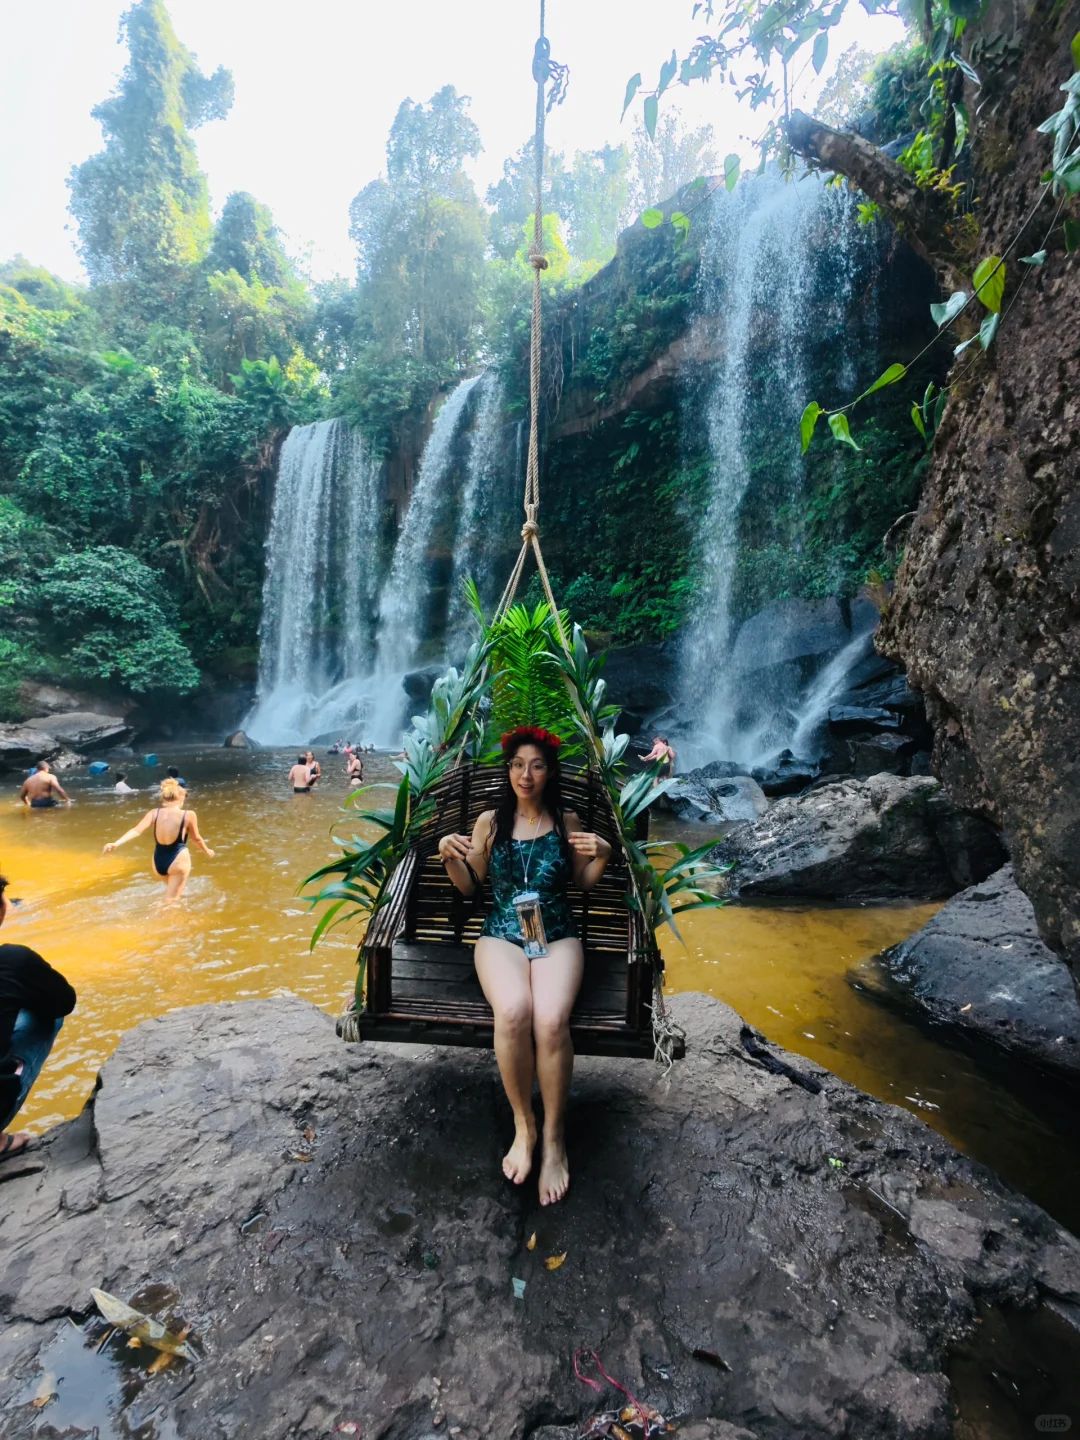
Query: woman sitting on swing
{"points": [[528, 957]]}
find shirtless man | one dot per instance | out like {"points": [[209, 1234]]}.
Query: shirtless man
{"points": [[41, 789], [300, 776]]}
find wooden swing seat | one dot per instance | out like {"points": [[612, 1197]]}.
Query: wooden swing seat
{"points": [[421, 982]]}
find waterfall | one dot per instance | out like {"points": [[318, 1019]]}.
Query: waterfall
{"points": [[321, 577], [484, 511], [756, 295], [405, 604]]}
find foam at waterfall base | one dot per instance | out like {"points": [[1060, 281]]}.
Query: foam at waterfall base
{"points": [[371, 709]]}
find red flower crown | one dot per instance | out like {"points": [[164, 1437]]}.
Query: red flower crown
{"points": [[531, 733]]}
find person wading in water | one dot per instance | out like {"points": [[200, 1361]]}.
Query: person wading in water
{"points": [[532, 848], [173, 828], [300, 776], [40, 790]]}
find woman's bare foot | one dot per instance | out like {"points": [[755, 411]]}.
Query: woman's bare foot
{"points": [[517, 1162], [554, 1172]]}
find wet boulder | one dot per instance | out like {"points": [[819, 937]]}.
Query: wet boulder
{"points": [[884, 838], [981, 967], [786, 774], [83, 729], [716, 800], [238, 740], [21, 747]]}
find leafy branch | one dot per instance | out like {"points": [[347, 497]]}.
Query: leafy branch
{"points": [[1062, 180]]}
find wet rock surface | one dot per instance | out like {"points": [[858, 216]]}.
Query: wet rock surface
{"points": [[81, 730], [715, 799], [981, 966], [332, 1222], [887, 837]]}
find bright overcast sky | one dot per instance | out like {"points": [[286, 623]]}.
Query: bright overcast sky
{"points": [[317, 86]]}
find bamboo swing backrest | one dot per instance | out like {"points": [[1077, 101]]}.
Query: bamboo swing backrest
{"points": [[436, 912]]}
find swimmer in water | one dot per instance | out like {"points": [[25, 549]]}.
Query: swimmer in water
{"points": [[173, 826], [40, 790], [354, 769], [300, 776], [122, 787], [314, 769]]}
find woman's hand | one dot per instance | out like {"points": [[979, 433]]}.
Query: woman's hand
{"points": [[589, 845], [208, 852], [109, 848], [455, 847]]}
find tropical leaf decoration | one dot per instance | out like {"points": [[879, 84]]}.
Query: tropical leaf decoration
{"points": [[527, 687]]}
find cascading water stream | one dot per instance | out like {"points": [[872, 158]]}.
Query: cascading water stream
{"points": [[756, 296], [482, 517], [321, 576], [406, 598]]}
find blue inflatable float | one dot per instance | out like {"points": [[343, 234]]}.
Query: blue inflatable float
{"points": [[150, 760], [98, 767]]}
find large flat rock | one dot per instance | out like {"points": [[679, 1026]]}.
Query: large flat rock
{"points": [[887, 837], [828, 1251], [981, 966], [83, 729]]}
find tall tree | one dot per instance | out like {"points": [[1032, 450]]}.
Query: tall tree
{"points": [[246, 240], [141, 203], [420, 239]]}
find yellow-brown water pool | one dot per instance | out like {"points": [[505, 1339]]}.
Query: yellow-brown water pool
{"points": [[241, 933]]}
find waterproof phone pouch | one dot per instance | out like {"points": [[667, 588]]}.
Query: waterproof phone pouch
{"points": [[531, 923]]}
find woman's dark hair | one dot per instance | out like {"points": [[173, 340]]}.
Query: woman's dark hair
{"points": [[121, 777], [3, 885], [507, 803]]}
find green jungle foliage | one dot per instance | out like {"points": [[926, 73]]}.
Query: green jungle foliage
{"points": [[141, 415]]}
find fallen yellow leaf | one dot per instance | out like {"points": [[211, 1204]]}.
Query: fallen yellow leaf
{"points": [[45, 1392], [530, 1244], [554, 1261]]}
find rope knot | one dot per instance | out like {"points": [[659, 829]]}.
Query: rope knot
{"points": [[529, 531], [538, 260]]}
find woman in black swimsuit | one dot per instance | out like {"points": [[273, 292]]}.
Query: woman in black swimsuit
{"points": [[173, 828], [532, 849]]}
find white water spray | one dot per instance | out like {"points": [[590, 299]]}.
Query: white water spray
{"points": [[756, 294], [321, 577]]}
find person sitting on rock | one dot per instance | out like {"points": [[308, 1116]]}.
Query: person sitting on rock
{"points": [[39, 790], [34, 998], [529, 957]]}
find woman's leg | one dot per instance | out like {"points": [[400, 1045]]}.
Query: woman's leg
{"points": [[556, 980], [177, 877], [504, 977]]}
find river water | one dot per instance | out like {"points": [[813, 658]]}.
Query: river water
{"points": [[240, 933]]}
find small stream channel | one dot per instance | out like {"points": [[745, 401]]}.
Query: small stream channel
{"points": [[241, 934]]}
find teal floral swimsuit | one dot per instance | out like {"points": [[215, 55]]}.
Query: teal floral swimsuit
{"points": [[549, 872]]}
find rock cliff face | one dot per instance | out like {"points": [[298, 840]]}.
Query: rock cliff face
{"points": [[757, 1261], [986, 612]]}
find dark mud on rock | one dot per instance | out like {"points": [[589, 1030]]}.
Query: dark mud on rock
{"points": [[333, 1222]]}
